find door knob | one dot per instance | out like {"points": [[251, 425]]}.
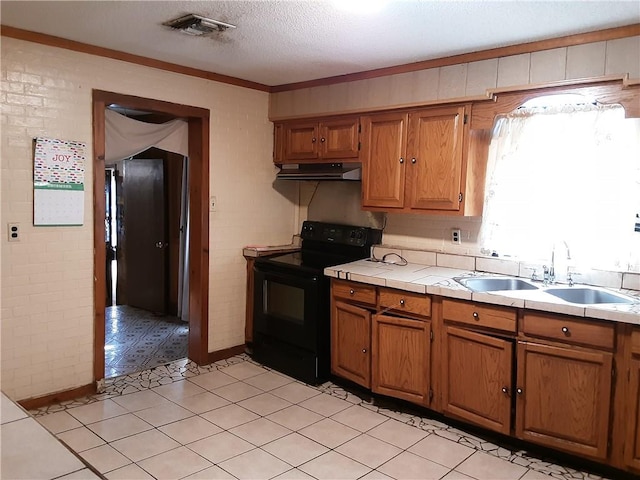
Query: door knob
{"points": [[505, 390], [519, 391], [413, 160], [161, 244]]}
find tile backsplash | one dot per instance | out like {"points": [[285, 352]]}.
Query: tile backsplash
{"points": [[600, 278]]}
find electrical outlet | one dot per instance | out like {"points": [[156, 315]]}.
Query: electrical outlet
{"points": [[13, 231], [455, 236]]}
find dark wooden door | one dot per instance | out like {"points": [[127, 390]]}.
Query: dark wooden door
{"points": [[145, 245]]}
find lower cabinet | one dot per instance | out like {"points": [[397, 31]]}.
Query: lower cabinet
{"points": [[477, 378], [563, 397], [351, 343], [401, 349], [632, 443]]}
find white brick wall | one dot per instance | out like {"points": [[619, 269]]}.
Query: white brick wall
{"points": [[47, 277]]}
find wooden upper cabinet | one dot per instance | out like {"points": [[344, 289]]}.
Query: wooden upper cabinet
{"points": [[317, 141], [414, 161], [563, 397], [434, 149], [301, 141], [384, 138], [339, 139]]}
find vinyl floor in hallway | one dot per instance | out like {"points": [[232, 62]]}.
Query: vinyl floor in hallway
{"points": [[137, 340]]}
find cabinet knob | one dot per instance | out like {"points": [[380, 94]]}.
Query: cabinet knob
{"points": [[505, 390], [364, 350], [413, 160], [401, 160], [402, 302], [566, 331], [352, 291], [313, 140], [519, 391], [476, 316], [322, 140]]}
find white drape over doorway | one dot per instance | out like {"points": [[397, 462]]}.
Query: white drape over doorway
{"points": [[126, 137]]}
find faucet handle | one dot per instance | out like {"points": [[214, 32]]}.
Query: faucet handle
{"points": [[570, 276], [534, 273]]}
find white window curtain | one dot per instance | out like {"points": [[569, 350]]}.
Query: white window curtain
{"points": [[126, 137], [565, 174]]}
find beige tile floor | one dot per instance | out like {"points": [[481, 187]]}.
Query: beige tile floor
{"points": [[246, 422]]}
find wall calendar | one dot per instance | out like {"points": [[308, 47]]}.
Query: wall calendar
{"points": [[58, 182]]}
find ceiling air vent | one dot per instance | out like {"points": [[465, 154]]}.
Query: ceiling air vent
{"points": [[193, 24]]}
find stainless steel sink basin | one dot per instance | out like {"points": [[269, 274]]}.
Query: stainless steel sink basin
{"points": [[587, 296], [491, 284]]}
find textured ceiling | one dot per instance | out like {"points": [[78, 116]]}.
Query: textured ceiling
{"points": [[280, 42]]}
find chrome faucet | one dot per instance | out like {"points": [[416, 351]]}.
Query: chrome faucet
{"points": [[552, 269]]}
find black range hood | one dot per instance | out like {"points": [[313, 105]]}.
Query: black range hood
{"points": [[320, 171]]}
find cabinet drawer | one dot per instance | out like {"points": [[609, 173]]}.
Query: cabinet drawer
{"points": [[405, 302], [569, 330], [357, 292], [479, 315]]}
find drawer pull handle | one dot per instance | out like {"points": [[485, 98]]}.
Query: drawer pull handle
{"points": [[352, 291], [566, 331], [519, 391], [505, 390], [402, 302], [476, 316], [364, 350]]}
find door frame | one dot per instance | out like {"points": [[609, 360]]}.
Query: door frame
{"points": [[198, 124]]}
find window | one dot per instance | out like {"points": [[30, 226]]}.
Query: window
{"points": [[565, 174]]}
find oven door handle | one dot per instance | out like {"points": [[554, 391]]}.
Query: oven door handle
{"points": [[294, 279]]}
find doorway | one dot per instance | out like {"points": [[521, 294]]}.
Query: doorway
{"points": [[146, 234], [197, 304]]}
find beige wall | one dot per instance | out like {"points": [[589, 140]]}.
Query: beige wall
{"points": [[47, 277], [469, 80]]}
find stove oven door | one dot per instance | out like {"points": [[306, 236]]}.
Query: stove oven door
{"points": [[289, 305]]}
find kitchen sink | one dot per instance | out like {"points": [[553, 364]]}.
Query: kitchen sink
{"points": [[586, 295], [481, 284]]}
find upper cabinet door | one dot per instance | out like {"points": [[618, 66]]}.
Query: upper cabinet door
{"points": [[435, 158], [383, 160], [301, 141], [339, 139]]}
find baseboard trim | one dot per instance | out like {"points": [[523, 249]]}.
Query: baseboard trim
{"points": [[225, 353], [45, 400]]}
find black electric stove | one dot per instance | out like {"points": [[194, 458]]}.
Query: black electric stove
{"points": [[291, 298]]}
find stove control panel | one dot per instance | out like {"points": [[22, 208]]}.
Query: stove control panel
{"points": [[340, 234]]}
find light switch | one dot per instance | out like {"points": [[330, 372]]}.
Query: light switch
{"points": [[212, 204], [13, 231]]}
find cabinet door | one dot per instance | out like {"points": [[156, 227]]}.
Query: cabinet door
{"points": [[350, 343], [301, 141], [339, 139], [278, 143], [434, 151], [401, 358], [477, 378], [632, 444], [563, 398], [383, 160]]}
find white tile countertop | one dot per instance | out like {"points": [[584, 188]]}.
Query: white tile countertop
{"points": [[439, 280]]}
